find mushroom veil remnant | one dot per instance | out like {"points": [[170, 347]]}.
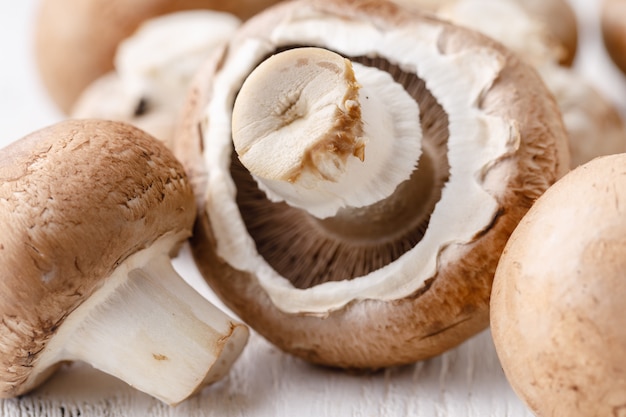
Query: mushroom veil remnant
{"points": [[358, 167], [91, 212]]}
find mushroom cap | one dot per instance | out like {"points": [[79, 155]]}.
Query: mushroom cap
{"points": [[594, 124], [108, 98], [613, 25], [75, 40], [560, 18], [76, 199], [146, 88], [557, 312], [556, 16], [453, 304]]}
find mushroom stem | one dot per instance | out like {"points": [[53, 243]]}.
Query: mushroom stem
{"points": [[322, 133], [148, 327]]}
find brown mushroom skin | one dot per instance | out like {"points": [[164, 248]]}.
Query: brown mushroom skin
{"points": [[557, 313], [47, 266], [613, 25], [75, 40], [371, 334]]}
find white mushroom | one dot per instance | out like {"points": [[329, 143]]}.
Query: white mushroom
{"points": [[557, 313], [300, 246], [153, 68], [91, 212]]}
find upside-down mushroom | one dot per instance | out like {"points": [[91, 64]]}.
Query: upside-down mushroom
{"points": [[557, 314], [90, 213], [382, 159], [76, 40], [153, 68]]}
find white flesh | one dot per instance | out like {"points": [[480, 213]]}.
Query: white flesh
{"points": [[149, 328], [319, 88]]}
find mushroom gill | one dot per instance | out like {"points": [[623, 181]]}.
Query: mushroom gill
{"points": [[309, 251]]}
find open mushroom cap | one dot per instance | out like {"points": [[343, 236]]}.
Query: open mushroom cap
{"points": [[83, 206], [76, 40], [613, 25], [407, 277], [594, 124], [557, 307], [554, 31]]}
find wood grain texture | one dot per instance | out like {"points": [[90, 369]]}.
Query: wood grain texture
{"points": [[466, 381]]}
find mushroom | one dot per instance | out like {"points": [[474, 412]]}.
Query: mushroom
{"points": [[91, 212], [153, 68], [560, 18], [594, 124], [613, 25], [75, 40], [383, 158], [552, 20], [557, 314]]}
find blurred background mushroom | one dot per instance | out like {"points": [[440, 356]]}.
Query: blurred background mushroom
{"points": [[613, 25], [76, 40], [544, 33], [153, 69], [555, 19]]}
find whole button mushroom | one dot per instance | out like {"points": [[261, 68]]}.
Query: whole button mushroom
{"points": [[557, 308], [377, 161], [76, 40], [91, 212]]}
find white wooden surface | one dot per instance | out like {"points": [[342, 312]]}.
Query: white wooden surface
{"points": [[467, 381]]}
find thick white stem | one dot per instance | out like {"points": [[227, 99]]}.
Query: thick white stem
{"points": [[352, 134], [149, 328]]}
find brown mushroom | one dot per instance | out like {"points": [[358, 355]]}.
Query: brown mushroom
{"points": [[613, 25], [91, 212], [553, 20], [363, 279], [557, 313], [560, 18], [594, 124], [153, 68], [76, 40]]}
